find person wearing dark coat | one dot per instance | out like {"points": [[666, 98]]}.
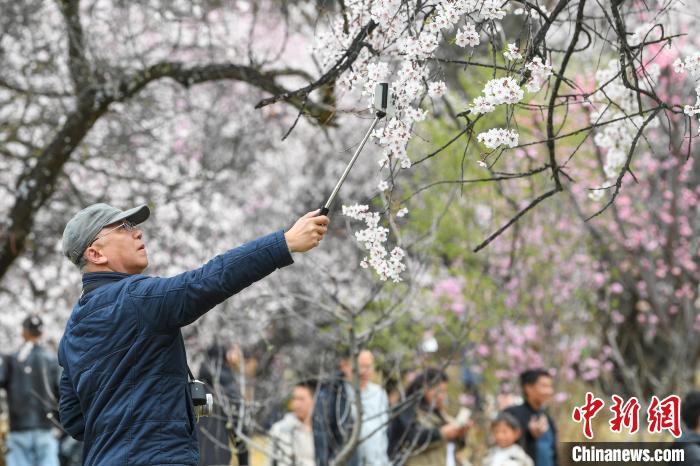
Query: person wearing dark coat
{"points": [[124, 388], [539, 437], [219, 374], [690, 438], [332, 419], [421, 430], [30, 377]]}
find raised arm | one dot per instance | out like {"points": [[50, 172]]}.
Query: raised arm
{"points": [[178, 301]]}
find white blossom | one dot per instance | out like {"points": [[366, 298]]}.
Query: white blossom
{"points": [[394, 137], [691, 65], [539, 72], [467, 36], [497, 137], [482, 105], [491, 9], [437, 88], [596, 194], [388, 265], [512, 53], [496, 92], [402, 212], [412, 114], [615, 139], [376, 72]]}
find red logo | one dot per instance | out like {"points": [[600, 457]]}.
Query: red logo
{"points": [[662, 415], [626, 415], [665, 415], [587, 412]]}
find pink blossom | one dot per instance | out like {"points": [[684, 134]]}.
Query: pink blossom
{"points": [[599, 279], [483, 350]]}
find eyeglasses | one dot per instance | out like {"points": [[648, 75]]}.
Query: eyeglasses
{"points": [[126, 225]]}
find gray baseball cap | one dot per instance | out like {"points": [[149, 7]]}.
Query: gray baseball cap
{"points": [[82, 229]]}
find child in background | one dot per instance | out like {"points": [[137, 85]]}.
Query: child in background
{"points": [[506, 432]]}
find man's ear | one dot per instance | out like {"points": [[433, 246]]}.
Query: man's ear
{"points": [[95, 256]]}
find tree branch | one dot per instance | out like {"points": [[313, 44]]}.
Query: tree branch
{"points": [[35, 187], [498, 232], [345, 62], [77, 63], [555, 92]]}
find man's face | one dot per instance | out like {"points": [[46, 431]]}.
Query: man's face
{"points": [[119, 250], [365, 366], [302, 403], [540, 392], [27, 335]]}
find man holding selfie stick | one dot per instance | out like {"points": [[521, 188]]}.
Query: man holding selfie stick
{"points": [[124, 388]]}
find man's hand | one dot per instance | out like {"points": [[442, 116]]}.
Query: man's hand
{"points": [[538, 425], [307, 232], [453, 431]]}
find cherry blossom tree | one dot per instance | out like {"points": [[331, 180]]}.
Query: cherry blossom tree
{"points": [[577, 277], [556, 137]]}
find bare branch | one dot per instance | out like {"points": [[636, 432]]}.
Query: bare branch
{"points": [[510, 222], [77, 62], [331, 75]]}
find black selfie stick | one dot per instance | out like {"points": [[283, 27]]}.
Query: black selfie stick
{"points": [[381, 104]]}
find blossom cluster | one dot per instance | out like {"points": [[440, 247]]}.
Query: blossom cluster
{"points": [[411, 49], [388, 265], [496, 92], [690, 65], [539, 72], [394, 137], [491, 9], [496, 137], [512, 53], [616, 138], [404, 55], [467, 36]]}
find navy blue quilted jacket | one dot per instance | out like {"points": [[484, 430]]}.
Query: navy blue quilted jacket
{"points": [[124, 388]]}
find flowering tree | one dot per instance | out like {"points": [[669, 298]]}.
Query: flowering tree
{"points": [[578, 276], [79, 65], [214, 170], [124, 103]]}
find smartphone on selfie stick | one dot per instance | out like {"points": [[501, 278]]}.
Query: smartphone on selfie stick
{"points": [[383, 107]]}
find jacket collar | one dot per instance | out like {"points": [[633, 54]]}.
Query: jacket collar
{"points": [[532, 409], [94, 280]]}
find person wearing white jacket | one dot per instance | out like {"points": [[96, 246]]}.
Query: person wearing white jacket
{"points": [[291, 438], [372, 450], [505, 430]]}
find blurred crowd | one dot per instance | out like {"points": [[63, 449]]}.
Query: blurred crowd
{"points": [[403, 422]]}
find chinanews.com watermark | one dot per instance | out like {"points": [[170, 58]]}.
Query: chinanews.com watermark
{"points": [[662, 416], [603, 453]]}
